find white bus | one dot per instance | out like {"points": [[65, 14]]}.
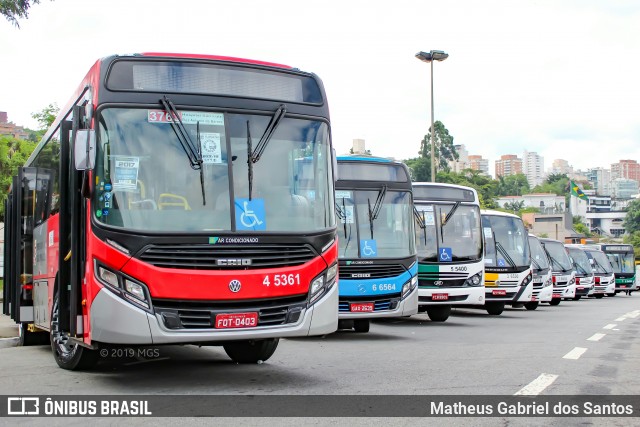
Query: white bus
{"points": [[564, 275], [508, 278], [450, 248], [541, 266]]}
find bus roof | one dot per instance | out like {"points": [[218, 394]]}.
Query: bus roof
{"points": [[490, 212], [213, 58]]}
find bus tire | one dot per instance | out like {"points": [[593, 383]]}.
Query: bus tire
{"points": [[494, 308], [613, 294], [73, 357], [251, 351], [27, 338], [555, 301], [531, 305], [361, 325], [577, 297], [599, 296], [439, 313]]}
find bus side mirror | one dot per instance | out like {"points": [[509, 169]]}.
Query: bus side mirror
{"points": [[85, 149]]}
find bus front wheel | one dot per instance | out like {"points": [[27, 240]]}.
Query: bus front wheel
{"points": [[555, 301], [439, 313], [494, 308], [531, 305], [252, 351], [73, 357], [361, 325]]}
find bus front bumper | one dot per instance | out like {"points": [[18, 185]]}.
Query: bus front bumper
{"points": [[406, 307], [115, 321], [455, 296]]}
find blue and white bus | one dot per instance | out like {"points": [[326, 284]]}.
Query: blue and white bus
{"points": [[450, 248], [377, 252]]}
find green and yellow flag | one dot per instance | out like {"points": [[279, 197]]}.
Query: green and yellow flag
{"points": [[576, 191]]}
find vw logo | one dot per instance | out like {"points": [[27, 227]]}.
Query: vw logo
{"points": [[438, 283], [362, 289], [235, 285]]}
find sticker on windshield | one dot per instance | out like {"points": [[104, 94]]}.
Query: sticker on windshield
{"points": [[250, 214], [487, 232], [501, 263], [429, 219], [445, 255], [342, 194], [126, 173], [488, 261], [348, 215], [211, 154], [368, 248]]}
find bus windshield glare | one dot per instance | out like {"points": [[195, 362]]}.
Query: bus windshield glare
{"points": [[538, 254], [601, 263], [146, 182], [392, 229], [581, 261], [560, 260], [452, 225], [622, 262], [506, 244]]}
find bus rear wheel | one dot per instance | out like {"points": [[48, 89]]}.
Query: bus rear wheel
{"points": [[27, 338], [555, 301], [531, 305], [73, 357], [252, 351], [439, 313], [494, 308], [361, 325]]}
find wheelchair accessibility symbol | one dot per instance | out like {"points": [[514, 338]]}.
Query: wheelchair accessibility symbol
{"points": [[445, 255], [250, 214], [368, 248]]}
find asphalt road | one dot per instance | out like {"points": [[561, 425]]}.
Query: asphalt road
{"points": [[579, 347]]}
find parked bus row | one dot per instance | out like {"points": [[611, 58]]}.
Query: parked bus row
{"points": [[185, 199]]}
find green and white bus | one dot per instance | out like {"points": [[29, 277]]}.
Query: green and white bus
{"points": [[450, 248], [622, 260]]}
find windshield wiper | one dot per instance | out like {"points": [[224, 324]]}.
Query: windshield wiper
{"points": [[536, 263], [373, 213], [504, 253], [421, 223], [194, 155], [450, 214], [204, 200]]}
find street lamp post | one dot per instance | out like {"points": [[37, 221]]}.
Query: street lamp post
{"points": [[433, 55]]}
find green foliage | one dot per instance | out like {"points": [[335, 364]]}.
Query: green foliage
{"points": [[633, 239], [582, 229], [514, 206], [46, 116], [16, 9], [513, 185], [632, 219], [13, 154], [444, 149], [484, 185]]}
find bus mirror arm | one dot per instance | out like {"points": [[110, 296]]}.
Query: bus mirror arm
{"points": [[86, 185]]}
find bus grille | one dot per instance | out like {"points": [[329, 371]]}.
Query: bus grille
{"points": [[201, 314], [380, 303], [207, 257], [346, 272]]}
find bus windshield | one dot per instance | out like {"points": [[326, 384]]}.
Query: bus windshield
{"points": [[581, 261], [538, 254], [506, 243], [601, 263], [145, 181], [622, 262], [560, 260], [451, 226], [362, 234]]}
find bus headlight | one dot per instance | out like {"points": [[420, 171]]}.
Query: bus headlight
{"points": [[322, 283], [409, 286], [572, 281], [474, 280], [125, 287], [527, 279]]}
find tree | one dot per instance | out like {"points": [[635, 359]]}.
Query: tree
{"points": [[632, 220], [15, 9], [444, 149], [513, 185], [420, 168], [13, 154], [46, 116]]}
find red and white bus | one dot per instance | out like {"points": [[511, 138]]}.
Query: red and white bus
{"points": [[167, 205]]}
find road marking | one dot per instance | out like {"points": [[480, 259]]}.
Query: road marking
{"points": [[536, 386], [596, 337], [575, 353], [620, 319], [610, 326], [633, 315]]}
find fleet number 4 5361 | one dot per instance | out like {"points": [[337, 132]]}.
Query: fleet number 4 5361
{"points": [[281, 280]]}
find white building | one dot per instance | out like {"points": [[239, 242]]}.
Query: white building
{"points": [[561, 166], [463, 159], [600, 179], [533, 168], [548, 203], [623, 188]]}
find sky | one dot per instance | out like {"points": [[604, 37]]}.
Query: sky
{"points": [[560, 78]]}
